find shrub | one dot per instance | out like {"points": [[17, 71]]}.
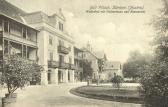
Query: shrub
{"points": [[17, 72], [155, 84]]}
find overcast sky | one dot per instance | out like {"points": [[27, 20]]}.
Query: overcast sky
{"points": [[115, 34]]}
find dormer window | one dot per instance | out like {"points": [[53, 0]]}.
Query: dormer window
{"points": [[61, 26]]}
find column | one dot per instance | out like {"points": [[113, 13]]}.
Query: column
{"points": [[44, 80], [22, 50], [71, 72], [54, 76], [65, 76]]}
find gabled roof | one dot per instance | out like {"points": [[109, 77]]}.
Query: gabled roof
{"points": [[86, 50], [11, 10], [100, 54], [113, 65], [39, 16]]}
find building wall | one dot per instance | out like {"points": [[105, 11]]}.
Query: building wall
{"points": [[48, 42]]}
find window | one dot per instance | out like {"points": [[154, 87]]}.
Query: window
{"points": [[61, 58], [70, 60], [51, 56], [6, 26], [6, 47], [24, 33], [60, 26], [61, 43], [50, 40], [0, 25], [24, 51]]}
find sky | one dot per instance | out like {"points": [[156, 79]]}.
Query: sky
{"points": [[116, 34]]}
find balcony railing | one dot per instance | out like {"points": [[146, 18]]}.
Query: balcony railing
{"points": [[53, 64], [19, 39], [78, 57], [72, 66], [78, 68], [63, 49], [64, 65]]}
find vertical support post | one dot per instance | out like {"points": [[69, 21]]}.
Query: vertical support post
{"points": [[3, 26], [71, 72], [54, 76], [8, 48], [44, 80], [3, 47], [26, 52], [26, 33], [65, 76], [22, 50], [8, 28], [22, 32]]}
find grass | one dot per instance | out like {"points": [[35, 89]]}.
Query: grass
{"points": [[130, 95]]}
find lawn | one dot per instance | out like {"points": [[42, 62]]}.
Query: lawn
{"points": [[130, 95]]}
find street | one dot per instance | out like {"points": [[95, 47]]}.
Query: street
{"points": [[59, 96]]}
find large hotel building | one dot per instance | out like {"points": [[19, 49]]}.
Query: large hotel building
{"points": [[38, 37]]}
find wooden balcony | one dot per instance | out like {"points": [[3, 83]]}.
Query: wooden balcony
{"points": [[18, 38], [53, 64], [63, 49]]}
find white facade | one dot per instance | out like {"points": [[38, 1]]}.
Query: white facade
{"points": [[51, 37]]}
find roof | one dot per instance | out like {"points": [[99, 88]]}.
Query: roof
{"points": [[86, 50], [39, 16], [114, 65], [11, 10], [4, 15], [100, 54], [77, 49]]}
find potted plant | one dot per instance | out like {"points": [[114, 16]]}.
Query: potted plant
{"points": [[17, 72]]}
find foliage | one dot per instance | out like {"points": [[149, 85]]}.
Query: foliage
{"points": [[155, 84], [155, 76], [18, 71], [117, 80], [87, 69], [135, 64]]}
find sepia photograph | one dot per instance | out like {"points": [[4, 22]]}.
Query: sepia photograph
{"points": [[83, 53]]}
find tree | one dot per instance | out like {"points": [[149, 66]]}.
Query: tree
{"points": [[155, 84], [18, 71], [117, 80], [155, 76], [135, 64], [87, 69]]}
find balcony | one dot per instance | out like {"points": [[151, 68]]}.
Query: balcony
{"points": [[72, 66], [80, 69], [63, 65], [20, 39], [63, 49], [53, 64], [78, 57]]}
